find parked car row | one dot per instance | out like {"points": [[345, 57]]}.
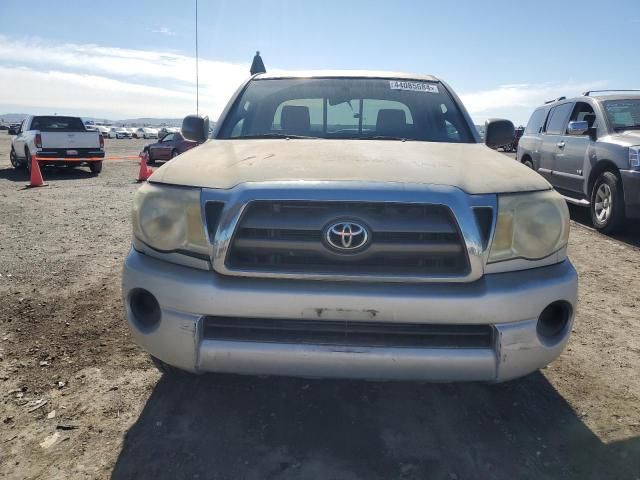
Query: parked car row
{"points": [[588, 148], [56, 137]]}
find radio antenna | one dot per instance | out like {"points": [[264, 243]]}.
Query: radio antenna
{"points": [[197, 78]]}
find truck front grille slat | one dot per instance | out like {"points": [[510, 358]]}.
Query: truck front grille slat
{"points": [[347, 333], [405, 239]]}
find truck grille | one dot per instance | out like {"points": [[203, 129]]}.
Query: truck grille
{"points": [[346, 333], [403, 239]]}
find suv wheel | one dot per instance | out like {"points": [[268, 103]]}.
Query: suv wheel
{"points": [[607, 203], [528, 163]]}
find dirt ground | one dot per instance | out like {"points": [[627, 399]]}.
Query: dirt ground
{"points": [[79, 400]]}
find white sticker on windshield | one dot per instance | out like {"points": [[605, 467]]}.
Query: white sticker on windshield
{"points": [[413, 86]]}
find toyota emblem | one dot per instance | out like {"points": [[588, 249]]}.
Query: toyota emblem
{"points": [[347, 236]]}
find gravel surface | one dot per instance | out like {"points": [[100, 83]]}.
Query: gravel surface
{"points": [[79, 400]]}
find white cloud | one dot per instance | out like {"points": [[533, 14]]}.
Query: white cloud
{"points": [[89, 95], [127, 82], [518, 101], [163, 82], [163, 31]]}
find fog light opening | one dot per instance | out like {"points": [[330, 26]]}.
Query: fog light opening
{"points": [[145, 308], [553, 321]]}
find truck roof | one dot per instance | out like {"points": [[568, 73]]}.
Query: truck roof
{"points": [[346, 74], [619, 96]]}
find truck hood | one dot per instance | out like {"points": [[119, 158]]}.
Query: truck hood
{"points": [[474, 168], [625, 138]]}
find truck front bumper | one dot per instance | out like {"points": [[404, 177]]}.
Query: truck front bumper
{"points": [[509, 303], [631, 187]]}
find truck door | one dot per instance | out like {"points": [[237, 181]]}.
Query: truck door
{"points": [[552, 139], [570, 161]]}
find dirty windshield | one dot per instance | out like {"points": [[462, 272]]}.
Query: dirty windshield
{"points": [[347, 108]]}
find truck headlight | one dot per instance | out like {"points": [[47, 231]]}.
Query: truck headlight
{"points": [[530, 226], [634, 157], [168, 218]]}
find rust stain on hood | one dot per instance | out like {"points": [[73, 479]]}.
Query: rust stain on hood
{"points": [[472, 167]]}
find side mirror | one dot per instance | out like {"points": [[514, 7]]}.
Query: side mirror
{"points": [[577, 128], [498, 132], [195, 128]]}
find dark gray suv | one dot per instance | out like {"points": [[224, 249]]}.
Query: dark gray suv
{"points": [[588, 148]]}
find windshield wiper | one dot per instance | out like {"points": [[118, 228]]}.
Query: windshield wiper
{"points": [[627, 127], [272, 135]]}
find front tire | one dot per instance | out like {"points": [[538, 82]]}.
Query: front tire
{"points": [[150, 161], [528, 163], [607, 203], [14, 159], [95, 167], [27, 156]]}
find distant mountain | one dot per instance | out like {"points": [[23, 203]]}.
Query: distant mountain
{"points": [[12, 117], [130, 122]]}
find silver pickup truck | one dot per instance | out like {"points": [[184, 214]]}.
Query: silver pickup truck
{"points": [[349, 225]]}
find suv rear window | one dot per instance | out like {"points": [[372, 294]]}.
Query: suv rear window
{"points": [[57, 124], [347, 108], [534, 126]]}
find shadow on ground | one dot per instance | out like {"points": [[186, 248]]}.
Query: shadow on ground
{"points": [[230, 427], [630, 234], [48, 173]]}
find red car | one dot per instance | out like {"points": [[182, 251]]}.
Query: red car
{"points": [[168, 147]]}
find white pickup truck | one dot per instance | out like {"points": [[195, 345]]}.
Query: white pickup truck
{"points": [[57, 140]]}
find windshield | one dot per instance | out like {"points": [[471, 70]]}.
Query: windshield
{"points": [[346, 108], [623, 114], [57, 124]]}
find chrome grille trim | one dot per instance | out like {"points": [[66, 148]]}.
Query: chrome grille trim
{"points": [[288, 236], [458, 202]]}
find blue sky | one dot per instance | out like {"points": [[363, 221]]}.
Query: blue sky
{"points": [[135, 58]]}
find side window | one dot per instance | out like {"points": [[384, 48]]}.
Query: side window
{"points": [[534, 126], [236, 131], [452, 131], [583, 112], [237, 128], [168, 138], [558, 119]]}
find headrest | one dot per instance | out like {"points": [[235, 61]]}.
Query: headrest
{"points": [[295, 120], [391, 121]]}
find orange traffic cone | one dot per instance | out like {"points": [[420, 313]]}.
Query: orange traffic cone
{"points": [[145, 170], [36, 176]]}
